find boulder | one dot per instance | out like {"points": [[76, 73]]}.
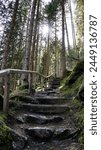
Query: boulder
{"points": [[64, 133], [42, 133]]}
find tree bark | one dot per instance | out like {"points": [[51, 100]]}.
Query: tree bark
{"points": [[29, 41], [73, 29], [9, 37], [68, 43], [32, 60], [63, 52], [48, 50]]}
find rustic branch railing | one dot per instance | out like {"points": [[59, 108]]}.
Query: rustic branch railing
{"points": [[6, 75]]}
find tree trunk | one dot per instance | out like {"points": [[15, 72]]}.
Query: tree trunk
{"points": [[63, 52], [32, 60], [9, 37], [73, 29], [48, 50], [68, 44], [55, 48], [29, 41], [36, 53]]}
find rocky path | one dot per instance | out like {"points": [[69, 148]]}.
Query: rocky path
{"points": [[43, 122]]}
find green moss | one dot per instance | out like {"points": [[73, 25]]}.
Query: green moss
{"points": [[2, 117], [81, 137], [70, 85], [71, 91], [78, 115], [5, 136], [19, 93]]}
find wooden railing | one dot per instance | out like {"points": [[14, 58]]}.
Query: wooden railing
{"points": [[6, 74]]}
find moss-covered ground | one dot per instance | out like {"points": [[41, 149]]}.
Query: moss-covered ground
{"points": [[5, 135], [70, 88]]}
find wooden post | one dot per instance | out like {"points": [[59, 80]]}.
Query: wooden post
{"points": [[6, 93]]}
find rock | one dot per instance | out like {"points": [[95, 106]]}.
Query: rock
{"points": [[42, 133], [54, 133], [35, 119], [19, 141], [20, 119], [75, 146], [56, 119], [42, 108], [64, 133], [77, 72], [39, 119], [51, 100]]}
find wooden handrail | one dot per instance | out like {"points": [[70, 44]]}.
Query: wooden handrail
{"points": [[6, 74], [11, 71]]}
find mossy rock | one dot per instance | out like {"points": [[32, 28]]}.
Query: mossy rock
{"points": [[76, 73], [72, 88], [5, 136], [10, 139], [78, 117], [71, 91], [70, 85]]}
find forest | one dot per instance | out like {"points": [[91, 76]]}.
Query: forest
{"points": [[41, 74]]}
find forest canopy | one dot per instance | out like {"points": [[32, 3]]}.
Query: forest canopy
{"points": [[44, 36]]}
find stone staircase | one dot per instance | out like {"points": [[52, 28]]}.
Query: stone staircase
{"points": [[55, 83], [43, 122]]}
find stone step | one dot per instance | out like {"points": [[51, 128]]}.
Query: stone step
{"points": [[47, 133], [55, 86], [57, 145], [37, 118], [40, 108], [48, 89], [46, 92], [41, 119], [55, 83], [41, 99], [51, 100], [40, 93], [26, 99], [56, 79]]}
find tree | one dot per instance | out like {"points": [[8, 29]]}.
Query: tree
{"points": [[63, 52], [79, 18], [26, 63], [9, 36], [73, 28], [32, 60]]}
